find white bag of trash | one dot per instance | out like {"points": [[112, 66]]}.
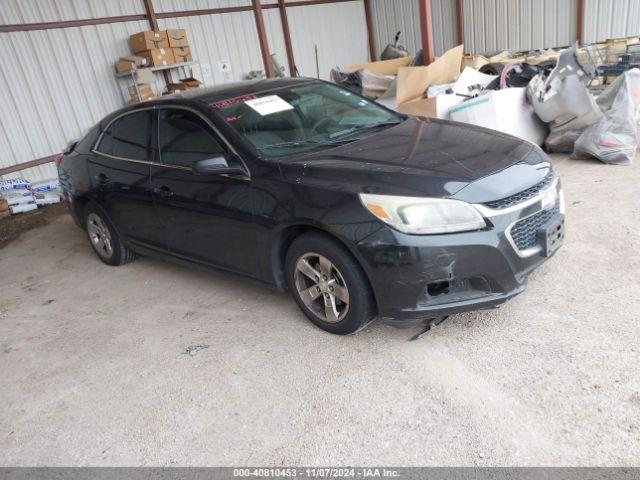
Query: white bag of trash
{"points": [[614, 138]]}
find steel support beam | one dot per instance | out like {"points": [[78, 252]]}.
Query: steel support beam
{"points": [[460, 21], [262, 37], [426, 31], [370, 33], [580, 23], [293, 71]]}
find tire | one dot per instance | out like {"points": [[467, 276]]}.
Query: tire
{"points": [[104, 239], [492, 69], [328, 284]]}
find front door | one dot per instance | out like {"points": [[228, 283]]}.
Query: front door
{"points": [[120, 177], [207, 218]]}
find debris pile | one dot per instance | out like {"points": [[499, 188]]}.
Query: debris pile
{"points": [[18, 195], [579, 100]]}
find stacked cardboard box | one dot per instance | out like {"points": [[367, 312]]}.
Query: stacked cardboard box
{"points": [[154, 46], [179, 45], [156, 49]]}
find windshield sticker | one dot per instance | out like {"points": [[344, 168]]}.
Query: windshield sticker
{"points": [[234, 101], [269, 104]]}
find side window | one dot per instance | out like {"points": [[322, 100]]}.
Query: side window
{"points": [[185, 138], [129, 137]]}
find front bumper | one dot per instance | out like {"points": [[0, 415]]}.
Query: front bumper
{"points": [[416, 277]]}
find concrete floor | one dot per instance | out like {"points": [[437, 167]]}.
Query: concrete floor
{"points": [[93, 369]]}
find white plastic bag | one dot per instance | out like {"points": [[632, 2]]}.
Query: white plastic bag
{"points": [[614, 139]]}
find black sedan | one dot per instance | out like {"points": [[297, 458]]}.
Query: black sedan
{"points": [[357, 210]]}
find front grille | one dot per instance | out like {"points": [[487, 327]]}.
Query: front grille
{"points": [[522, 196], [525, 232]]}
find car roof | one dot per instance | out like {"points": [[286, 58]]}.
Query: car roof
{"points": [[237, 89], [215, 93]]}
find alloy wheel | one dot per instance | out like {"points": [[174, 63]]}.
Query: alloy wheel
{"points": [[321, 287], [99, 235]]}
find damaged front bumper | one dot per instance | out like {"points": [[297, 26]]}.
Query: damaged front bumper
{"points": [[417, 277]]}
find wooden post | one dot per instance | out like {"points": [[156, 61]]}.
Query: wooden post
{"points": [[262, 37], [287, 38], [426, 30], [370, 34]]}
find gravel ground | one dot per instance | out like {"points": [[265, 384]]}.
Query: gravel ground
{"points": [[95, 370]]}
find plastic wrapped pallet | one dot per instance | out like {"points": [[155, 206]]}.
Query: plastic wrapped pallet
{"points": [[614, 139], [17, 193], [45, 185], [47, 197], [14, 184]]}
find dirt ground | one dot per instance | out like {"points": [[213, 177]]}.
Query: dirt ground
{"points": [[13, 226], [156, 364]]}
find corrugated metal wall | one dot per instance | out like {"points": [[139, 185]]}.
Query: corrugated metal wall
{"points": [[390, 17], [518, 24], [339, 31], [57, 83], [506, 24], [54, 84], [611, 19]]}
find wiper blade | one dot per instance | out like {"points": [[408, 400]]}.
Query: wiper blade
{"points": [[297, 143], [358, 128]]}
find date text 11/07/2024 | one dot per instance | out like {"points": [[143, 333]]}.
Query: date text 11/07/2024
{"points": [[315, 472]]}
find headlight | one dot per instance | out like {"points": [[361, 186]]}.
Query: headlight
{"points": [[423, 215]]}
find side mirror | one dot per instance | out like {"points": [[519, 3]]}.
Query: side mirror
{"points": [[219, 165]]}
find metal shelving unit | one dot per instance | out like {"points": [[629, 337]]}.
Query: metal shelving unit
{"points": [[134, 77]]}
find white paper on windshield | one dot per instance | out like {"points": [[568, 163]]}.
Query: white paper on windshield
{"points": [[268, 105]]}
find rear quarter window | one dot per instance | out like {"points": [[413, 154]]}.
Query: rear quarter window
{"points": [[128, 137]]}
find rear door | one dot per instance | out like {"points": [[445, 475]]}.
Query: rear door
{"points": [[119, 173], [207, 218]]}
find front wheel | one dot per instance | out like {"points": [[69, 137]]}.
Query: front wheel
{"points": [[328, 284]]}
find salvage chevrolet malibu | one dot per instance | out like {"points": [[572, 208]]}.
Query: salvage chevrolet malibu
{"points": [[359, 211]]}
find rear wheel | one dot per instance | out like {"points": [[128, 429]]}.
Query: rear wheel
{"points": [[328, 284], [104, 239]]}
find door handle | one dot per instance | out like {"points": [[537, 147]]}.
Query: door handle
{"points": [[163, 191], [102, 178]]}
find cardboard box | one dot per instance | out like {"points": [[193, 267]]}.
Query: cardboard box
{"points": [[504, 110], [182, 54], [4, 205], [175, 87], [148, 40], [384, 67], [146, 93], [131, 62], [412, 83], [190, 82], [159, 57], [177, 37], [144, 75]]}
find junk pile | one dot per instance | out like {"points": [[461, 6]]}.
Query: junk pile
{"points": [[18, 195], [584, 101]]}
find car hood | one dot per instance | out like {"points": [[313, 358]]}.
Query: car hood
{"points": [[434, 158]]}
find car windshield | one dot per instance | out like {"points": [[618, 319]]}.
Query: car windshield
{"points": [[303, 118]]}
